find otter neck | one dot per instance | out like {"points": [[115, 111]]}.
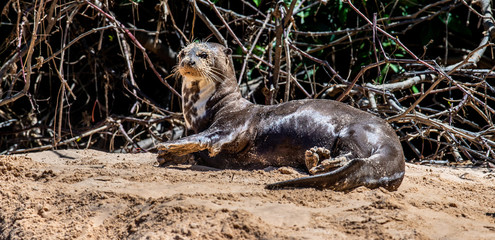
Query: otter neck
{"points": [[201, 99]]}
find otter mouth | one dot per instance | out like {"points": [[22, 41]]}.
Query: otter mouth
{"points": [[189, 72]]}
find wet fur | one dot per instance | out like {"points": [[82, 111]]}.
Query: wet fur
{"points": [[231, 132]]}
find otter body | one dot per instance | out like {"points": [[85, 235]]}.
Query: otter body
{"points": [[344, 146]]}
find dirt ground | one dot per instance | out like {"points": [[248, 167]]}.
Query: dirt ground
{"points": [[86, 194]]}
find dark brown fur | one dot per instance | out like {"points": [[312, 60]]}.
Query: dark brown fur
{"points": [[231, 132]]}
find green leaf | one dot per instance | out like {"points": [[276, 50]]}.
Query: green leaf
{"points": [[257, 2], [258, 50], [456, 24], [414, 89], [383, 73], [395, 67], [309, 74], [304, 14], [343, 11], [249, 73]]}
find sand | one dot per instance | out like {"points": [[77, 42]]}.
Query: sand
{"points": [[87, 194]]}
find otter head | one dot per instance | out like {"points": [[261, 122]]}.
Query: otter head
{"points": [[207, 77], [205, 61]]}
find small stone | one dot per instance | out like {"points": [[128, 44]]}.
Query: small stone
{"points": [[287, 170], [193, 225]]}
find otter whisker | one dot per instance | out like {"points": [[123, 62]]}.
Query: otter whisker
{"points": [[206, 75], [217, 77], [211, 76], [217, 73], [176, 72]]}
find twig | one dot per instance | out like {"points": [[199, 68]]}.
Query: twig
{"points": [[273, 80], [26, 74], [61, 143], [136, 42], [253, 46], [443, 74], [321, 62], [173, 22], [208, 23]]}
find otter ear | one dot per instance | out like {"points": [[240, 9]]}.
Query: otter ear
{"points": [[227, 51]]}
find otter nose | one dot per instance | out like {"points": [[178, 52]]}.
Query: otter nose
{"points": [[188, 62]]}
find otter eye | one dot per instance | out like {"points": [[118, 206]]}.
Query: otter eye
{"points": [[203, 55]]}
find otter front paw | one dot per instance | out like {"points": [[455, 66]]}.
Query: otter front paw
{"points": [[167, 156], [175, 149]]}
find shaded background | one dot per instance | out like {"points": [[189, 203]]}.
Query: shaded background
{"points": [[91, 86]]}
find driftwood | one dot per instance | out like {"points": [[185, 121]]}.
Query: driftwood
{"points": [[97, 73]]}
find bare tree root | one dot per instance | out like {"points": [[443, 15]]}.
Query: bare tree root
{"points": [[77, 73]]}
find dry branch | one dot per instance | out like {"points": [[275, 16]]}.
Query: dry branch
{"points": [[93, 90]]}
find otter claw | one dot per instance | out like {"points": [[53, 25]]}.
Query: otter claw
{"points": [[167, 147], [166, 158], [214, 151], [318, 160], [311, 159]]}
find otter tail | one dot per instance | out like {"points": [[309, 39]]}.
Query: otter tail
{"points": [[345, 178]]}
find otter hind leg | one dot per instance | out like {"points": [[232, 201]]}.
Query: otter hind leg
{"points": [[355, 173], [318, 160]]}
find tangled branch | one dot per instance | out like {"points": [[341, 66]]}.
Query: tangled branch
{"points": [[89, 88]]}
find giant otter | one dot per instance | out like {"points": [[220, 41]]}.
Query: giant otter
{"points": [[345, 147]]}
